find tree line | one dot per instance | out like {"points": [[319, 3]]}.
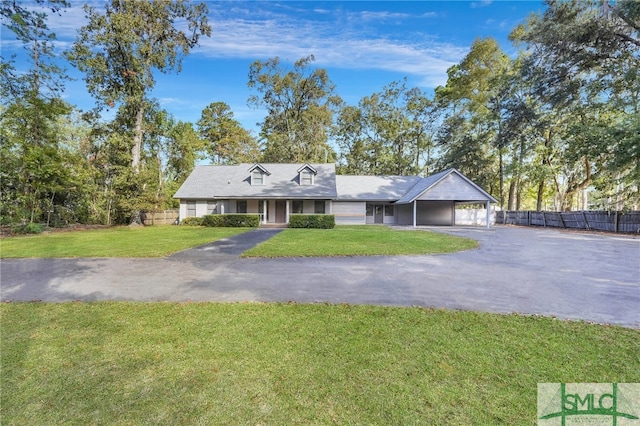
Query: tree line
{"points": [[536, 129]]}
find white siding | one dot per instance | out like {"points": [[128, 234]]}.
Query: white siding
{"points": [[475, 217], [455, 188], [349, 212]]}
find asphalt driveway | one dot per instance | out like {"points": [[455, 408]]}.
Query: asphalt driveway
{"points": [[526, 270]]}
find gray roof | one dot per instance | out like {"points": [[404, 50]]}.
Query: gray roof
{"points": [[208, 182], [425, 184], [282, 181], [373, 188]]}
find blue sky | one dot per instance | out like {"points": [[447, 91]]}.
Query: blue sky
{"points": [[363, 45]]}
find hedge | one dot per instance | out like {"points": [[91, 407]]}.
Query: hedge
{"points": [[191, 221], [237, 220], [320, 221]]}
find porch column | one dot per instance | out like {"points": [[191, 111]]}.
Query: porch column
{"points": [[221, 207], [330, 207], [264, 211], [286, 212], [488, 214], [415, 212]]}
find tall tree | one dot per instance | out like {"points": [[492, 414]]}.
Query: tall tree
{"points": [[388, 133], [119, 50], [469, 135], [584, 59], [227, 142], [300, 104], [33, 172]]}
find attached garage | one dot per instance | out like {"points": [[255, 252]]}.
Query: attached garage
{"points": [[432, 201], [428, 213]]}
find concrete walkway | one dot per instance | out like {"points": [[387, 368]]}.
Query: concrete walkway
{"points": [[526, 270]]}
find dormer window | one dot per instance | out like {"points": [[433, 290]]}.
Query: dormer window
{"points": [[306, 178], [258, 175], [257, 178], [306, 175]]}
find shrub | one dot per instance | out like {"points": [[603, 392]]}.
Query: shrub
{"points": [[28, 228], [234, 220], [191, 221], [319, 221]]}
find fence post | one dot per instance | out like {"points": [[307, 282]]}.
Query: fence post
{"points": [[544, 219], [586, 222], [561, 220], [615, 222]]}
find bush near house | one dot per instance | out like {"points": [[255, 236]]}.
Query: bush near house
{"points": [[231, 220], [319, 221], [192, 221]]}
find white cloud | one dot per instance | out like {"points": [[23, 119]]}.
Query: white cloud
{"points": [[331, 47], [482, 3]]}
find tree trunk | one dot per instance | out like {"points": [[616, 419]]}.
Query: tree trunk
{"points": [[136, 216], [501, 179], [540, 195], [137, 141], [512, 196]]}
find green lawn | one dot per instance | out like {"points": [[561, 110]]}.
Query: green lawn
{"points": [[358, 241], [285, 364], [149, 241]]}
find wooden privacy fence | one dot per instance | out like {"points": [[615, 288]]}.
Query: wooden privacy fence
{"points": [[627, 222], [165, 217]]}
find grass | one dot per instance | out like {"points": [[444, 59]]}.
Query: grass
{"points": [[358, 241], [281, 364], [150, 241]]}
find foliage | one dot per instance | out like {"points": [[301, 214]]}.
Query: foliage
{"points": [[192, 221], [232, 220], [227, 142], [27, 228], [118, 51], [590, 79], [389, 133], [34, 173], [255, 363], [300, 104], [317, 221], [149, 241]]}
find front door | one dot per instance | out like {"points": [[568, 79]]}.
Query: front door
{"points": [[377, 213], [281, 211]]}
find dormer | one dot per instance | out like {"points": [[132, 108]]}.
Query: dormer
{"points": [[258, 175], [307, 175]]}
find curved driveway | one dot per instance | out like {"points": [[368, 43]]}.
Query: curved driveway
{"points": [[525, 270]]}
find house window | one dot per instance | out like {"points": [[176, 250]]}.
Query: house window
{"points": [[319, 207], [191, 208], [306, 177], [369, 209], [212, 207], [257, 177], [388, 210], [241, 206], [297, 206]]}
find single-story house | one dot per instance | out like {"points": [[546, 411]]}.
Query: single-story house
{"points": [[277, 191]]}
